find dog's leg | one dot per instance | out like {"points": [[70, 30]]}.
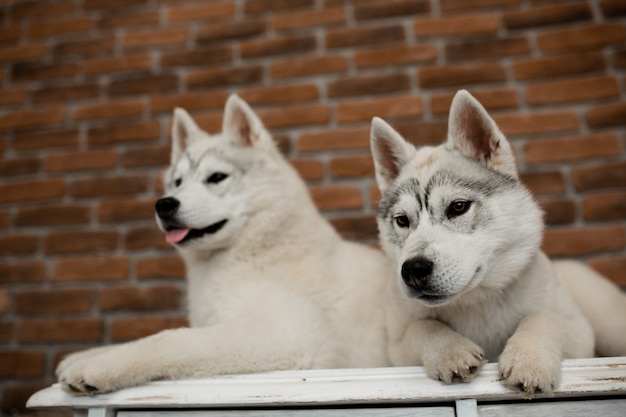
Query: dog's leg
{"points": [[446, 355], [531, 360]]}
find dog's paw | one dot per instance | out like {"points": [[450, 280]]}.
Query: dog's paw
{"points": [[530, 371], [458, 362]]}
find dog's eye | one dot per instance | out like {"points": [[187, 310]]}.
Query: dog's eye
{"points": [[216, 177], [177, 182], [458, 207], [402, 220]]}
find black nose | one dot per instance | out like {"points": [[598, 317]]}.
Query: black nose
{"points": [[415, 272], [167, 207]]}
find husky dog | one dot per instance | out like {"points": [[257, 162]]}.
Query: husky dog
{"points": [[271, 285], [465, 237]]}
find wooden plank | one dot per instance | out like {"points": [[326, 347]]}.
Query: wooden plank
{"points": [[591, 408], [343, 412], [466, 408]]}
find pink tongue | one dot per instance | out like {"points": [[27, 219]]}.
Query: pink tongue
{"points": [[176, 235]]}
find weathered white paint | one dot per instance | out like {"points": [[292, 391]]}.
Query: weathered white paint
{"points": [[598, 377]]}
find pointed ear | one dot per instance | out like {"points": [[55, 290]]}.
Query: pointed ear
{"points": [[241, 124], [184, 130], [390, 152], [475, 134]]}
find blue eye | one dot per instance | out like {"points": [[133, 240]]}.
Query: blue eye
{"points": [[216, 178]]}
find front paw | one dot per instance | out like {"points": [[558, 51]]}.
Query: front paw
{"points": [[530, 371], [457, 362]]}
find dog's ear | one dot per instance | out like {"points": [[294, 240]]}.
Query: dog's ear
{"points": [[390, 152], [241, 124], [475, 134], [184, 130]]}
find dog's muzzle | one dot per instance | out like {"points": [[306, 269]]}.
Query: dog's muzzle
{"points": [[416, 272]]}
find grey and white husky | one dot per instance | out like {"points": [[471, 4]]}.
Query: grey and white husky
{"points": [[473, 284], [271, 285]]}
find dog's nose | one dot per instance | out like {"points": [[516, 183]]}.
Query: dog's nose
{"points": [[415, 272], [167, 207]]}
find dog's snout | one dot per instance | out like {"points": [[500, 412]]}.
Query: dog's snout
{"points": [[167, 207], [415, 272]]}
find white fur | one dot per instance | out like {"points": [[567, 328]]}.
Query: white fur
{"points": [[491, 293], [275, 288]]}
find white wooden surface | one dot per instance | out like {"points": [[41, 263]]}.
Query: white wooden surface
{"points": [[598, 377]]}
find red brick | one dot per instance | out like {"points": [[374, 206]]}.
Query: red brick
{"points": [[604, 115], [558, 211], [7, 330], [103, 5], [90, 268], [18, 166], [352, 37], [423, 133], [575, 148], [60, 330], [608, 175], [612, 268], [309, 169], [111, 109], [261, 6], [147, 157], [10, 34], [200, 11], [80, 161], [483, 48], [113, 186], [126, 63], [150, 38], [576, 89], [53, 301], [35, 190], [459, 5], [558, 66], [544, 182], [84, 241], [125, 210], [356, 228], [162, 297], [124, 133], [395, 55], [133, 328], [613, 8], [35, 71], [220, 77], [220, 31], [53, 215], [334, 139], [197, 56], [389, 8], [529, 123], [256, 48], [35, 9], [583, 241], [126, 18], [352, 167], [48, 28], [306, 66], [387, 107], [18, 244], [5, 302], [67, 93], [458, 25], [492, 99], [279, 93], [309, 18], [294, 115], [15, 95], [161, 267], [188, 101], [460, 75], [368, 84], [337, 197], [547, 15], [145, 238], [90, 47], [22, 119], [45, 139], [21, 272], [587, 37], [605, 206], [22, 363], [143, 84], [619, 59], [30, 52]]}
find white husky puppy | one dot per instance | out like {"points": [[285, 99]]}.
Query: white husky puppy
{"points": [[271, 284], [465, 237]]}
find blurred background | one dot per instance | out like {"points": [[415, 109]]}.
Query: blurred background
{"points": [[88, 87]]}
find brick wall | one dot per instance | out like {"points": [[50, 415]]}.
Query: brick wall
{"points": [[88, 87]]}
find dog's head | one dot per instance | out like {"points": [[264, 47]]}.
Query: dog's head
{"points": [[454, 217], [210, 181]]}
